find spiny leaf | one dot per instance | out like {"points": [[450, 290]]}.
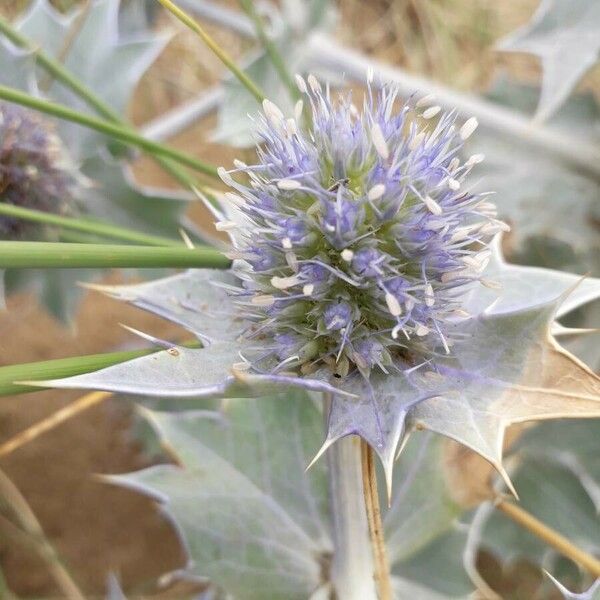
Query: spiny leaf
{"points": [[564, 35], [508, 370], [251, 519], [556, 472], [107, 62], [180, 372], [425, 542], [194, 299], [523, 286], [593, 593], [16, 67], [551, 208]]}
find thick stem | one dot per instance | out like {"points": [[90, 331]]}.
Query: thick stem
{"points": [[382, 567], [352, 568]]}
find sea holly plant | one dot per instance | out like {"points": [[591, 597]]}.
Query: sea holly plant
{"points": [[366, 272], [363, 293]]}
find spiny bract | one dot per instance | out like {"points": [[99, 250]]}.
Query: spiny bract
{"points": [[34, 168], [357, 236]]}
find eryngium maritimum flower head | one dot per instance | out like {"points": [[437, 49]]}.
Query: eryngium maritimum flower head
{"points": [[34, 170], [359, 234]]}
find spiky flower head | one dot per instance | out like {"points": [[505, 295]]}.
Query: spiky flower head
{"points": [[358, 234], [34, 168]]}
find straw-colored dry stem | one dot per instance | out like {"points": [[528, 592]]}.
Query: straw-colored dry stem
{"points": [[548, 535], [382, 568], [55, 419]]}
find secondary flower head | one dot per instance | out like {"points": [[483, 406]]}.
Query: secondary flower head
{"points": [[358, 235], [34, 169]]}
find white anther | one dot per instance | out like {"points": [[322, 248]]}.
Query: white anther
{"points": [[282, 283], [379, 141], [452, 275], [461, 312], [239, 164], [301, 84], [475, 159], [376, 192], [452, 166], [286, 243], [272, 112], [225, 225], [226, 178], [291, 127], [432, 205], [431, 112], [393, 304], [354, 111], [416, 141], [471, 261], [288, 184], [308, 289], [468, 128], [347, 254], [298, 108], [315, 86], [429, 297], [234, 199], [453, 184], [421, 330], [291, 260], [263, 300], [426, 100], [492, 285], [409, 303]]}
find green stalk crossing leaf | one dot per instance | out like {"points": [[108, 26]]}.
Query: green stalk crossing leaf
{"points": [[118, 132], [43, 255], [85, 225]]}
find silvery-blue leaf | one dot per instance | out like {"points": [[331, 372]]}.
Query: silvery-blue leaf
{"points": [[196, 299], [592, 593], [508, 370], [564, 35], [116, 196], [109, 63], [553, 494], [17, 67], [251, 519], [180, 372], [404, 588], [378, 414], [250, 462], [521, 286], [572, 444], [113, 589], [551, 208], [425, 543], [555, 469]]}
